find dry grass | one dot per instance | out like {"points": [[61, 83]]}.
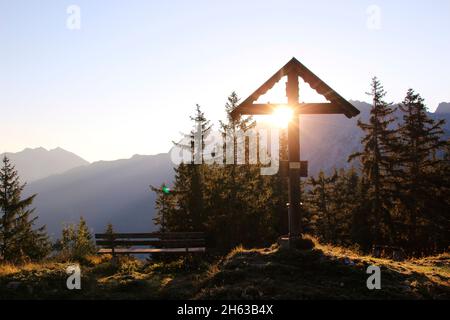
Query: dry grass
{"points": [[326, 272], [435, 268], [102, 278], [8, 269], [270, 273]]}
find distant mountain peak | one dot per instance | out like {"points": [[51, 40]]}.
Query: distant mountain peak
{"points": [[443, 107], [37, 163], [40, 149]]}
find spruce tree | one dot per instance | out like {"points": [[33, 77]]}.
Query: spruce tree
{"points": [[76, 241], [336, 206], [320, 202], [194, 200], [377, 161], [421, 186], [18, 239], [236, 196], [345, 199], [84, 244], [349, 199], [110, 229], [343, 187], [229, 183], [66, 243], [361, 229], [167, 217], [184, 209], [241, 195]]}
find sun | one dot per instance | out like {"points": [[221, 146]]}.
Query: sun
{"points": [[281, 117]]}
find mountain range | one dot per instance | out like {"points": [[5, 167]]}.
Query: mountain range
{"points": [[35, 164], [443, 108], [118, 191], [103, 192]]}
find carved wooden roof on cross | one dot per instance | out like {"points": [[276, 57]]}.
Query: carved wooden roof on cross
{"points": [[336, 103]]}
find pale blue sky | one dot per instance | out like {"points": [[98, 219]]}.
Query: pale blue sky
{"points": [[127, 81]]}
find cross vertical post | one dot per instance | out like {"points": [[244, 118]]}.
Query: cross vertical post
{"points": [[294, 211]]}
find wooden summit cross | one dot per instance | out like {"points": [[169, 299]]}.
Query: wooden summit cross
{"points": [[336, 105]]}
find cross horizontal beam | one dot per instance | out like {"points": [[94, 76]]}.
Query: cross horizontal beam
{"points": [[300, 108]]}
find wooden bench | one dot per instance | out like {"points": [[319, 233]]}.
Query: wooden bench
{"points": [[156, 242]]}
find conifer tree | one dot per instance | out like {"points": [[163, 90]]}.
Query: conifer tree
{"points": [[345, 202], [228, 183], [66, 243], [84, 244], [167, 217], [420, 183], [18, 239], [195, 198], [194, 142], [320, 202], [377, 160], [361, 230], [337, 208], [184, 209], [76, 241], [109, 229], [235, 194]]}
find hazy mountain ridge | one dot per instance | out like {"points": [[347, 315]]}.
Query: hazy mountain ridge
{"points": [[443, 108], [38, 163], [339, 137], [103, 192]]}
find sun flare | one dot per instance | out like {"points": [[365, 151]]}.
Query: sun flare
{"points": [[281, 117]]}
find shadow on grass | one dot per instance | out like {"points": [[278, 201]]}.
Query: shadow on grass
{"points": [[311, 274]]}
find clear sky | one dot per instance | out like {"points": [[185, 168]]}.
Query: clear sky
{"points": [[126, 82]]}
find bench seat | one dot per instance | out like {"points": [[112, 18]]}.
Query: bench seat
{"points": [[152, 250], [155, 242]]}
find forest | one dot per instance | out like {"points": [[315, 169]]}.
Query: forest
{"points": [[396, 194]]}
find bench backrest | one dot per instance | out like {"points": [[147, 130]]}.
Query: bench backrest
{"points": [[156, 239]]}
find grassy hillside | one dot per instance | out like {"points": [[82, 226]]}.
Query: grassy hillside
{"points": [[325, 272]]}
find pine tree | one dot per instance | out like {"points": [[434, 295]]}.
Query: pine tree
{"points": [[345, 202], [228, 183], [195, 141], [110, 229], [167, 217], [235, 200], [184, 209], [84, 244], [233, 126], [18, 239], [377, 161], [238, 196], [67, 241], [195, 198], [76, 241], [420, 184], [361, 229], [320, 202], [338, 208]]}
